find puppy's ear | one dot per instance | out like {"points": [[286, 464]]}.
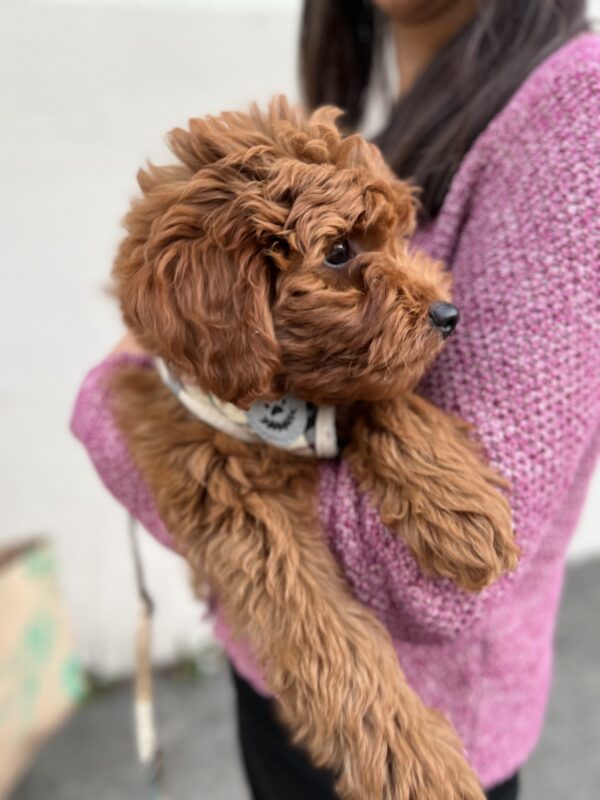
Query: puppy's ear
{"points": [[355, 151], [206, 311]]}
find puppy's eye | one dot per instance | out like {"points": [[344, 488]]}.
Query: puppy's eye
{"points": [[339, 254]]}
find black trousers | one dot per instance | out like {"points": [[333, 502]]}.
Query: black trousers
{"points": [[276, 768]]}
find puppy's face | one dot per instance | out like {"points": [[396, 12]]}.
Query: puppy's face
{"points": [[273, 260]]}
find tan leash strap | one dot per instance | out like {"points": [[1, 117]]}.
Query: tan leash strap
{"points": [[148, 750]]}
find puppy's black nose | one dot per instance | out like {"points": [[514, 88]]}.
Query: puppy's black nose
{"points": [[444, 316]]}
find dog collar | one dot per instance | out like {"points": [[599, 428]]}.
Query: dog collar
{"points": [[290, 424]]}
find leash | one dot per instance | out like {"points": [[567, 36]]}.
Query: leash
{"points": [[148, 749]]}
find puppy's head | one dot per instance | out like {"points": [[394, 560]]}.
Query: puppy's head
{"points": [[272, 259]]}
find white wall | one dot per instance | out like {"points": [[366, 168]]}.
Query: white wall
{"points": [[91, 92], [90, 89]]}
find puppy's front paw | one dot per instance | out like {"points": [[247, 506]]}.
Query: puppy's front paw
{"points": [[432, 486], [472, 546]]}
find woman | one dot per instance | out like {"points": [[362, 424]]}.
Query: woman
{"points": [[496, 121]]}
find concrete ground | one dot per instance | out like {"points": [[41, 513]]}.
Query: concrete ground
{"points": [[92, 758]]}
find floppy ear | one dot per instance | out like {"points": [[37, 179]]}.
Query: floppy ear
{"points": [[206, 312], [355, 151]]}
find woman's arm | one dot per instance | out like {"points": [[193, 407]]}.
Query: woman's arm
{"points": [[524, 364], [93, 424]]}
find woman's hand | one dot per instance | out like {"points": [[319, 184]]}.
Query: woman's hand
{"points": [[128, 344]]}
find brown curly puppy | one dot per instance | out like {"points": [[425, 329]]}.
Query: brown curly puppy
{"points": [[272, 260]]}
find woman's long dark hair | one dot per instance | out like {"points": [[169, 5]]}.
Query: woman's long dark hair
{"points": [[432, 127]]}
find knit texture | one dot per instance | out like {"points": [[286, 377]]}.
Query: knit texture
{"points": [[519, 230]]}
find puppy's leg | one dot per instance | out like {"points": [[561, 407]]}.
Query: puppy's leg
{"points": [[335, 673], [246, 520], [432, 486]]}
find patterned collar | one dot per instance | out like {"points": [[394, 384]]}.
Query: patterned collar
{"points": [[289, 423]]}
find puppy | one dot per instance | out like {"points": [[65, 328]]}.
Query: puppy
{"points": [[272, 262]]}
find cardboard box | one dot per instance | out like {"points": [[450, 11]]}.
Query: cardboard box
{"points": [[41, 680]]}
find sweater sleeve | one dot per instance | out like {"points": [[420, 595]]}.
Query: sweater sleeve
{"points": [[93, 424], [524, 364]]}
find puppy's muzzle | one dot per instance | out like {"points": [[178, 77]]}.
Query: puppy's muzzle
{"points": [[444, 316]]}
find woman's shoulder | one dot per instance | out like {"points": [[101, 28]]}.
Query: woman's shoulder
{"points": [[578, 60], [540, 152], [561, 96]]}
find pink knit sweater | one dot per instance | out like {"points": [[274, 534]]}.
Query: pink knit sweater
{"points": [[519, 229]]}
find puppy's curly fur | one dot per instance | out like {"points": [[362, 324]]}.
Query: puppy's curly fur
{"points": [[224, 272]]}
